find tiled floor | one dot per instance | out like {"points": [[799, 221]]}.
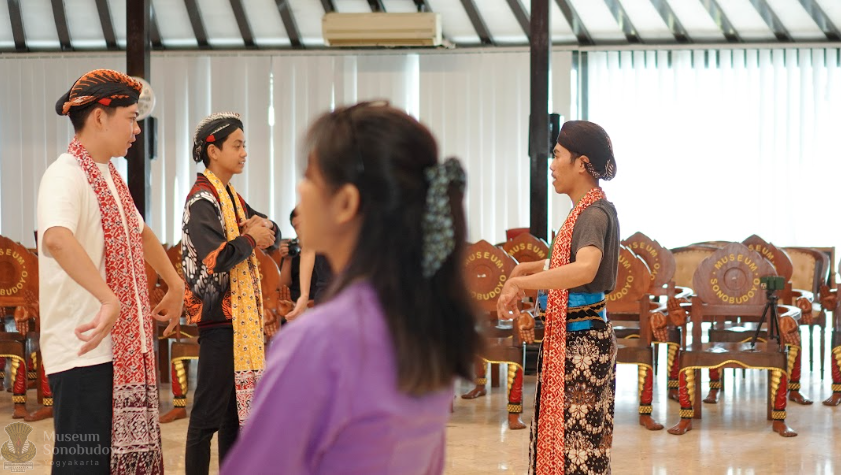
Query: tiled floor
{"points": [[733, 437]]}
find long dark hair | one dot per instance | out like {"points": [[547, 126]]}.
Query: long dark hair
{"points": [[384, 152]]}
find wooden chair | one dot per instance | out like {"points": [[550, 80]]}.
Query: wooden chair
{"points": [[802, 299], [687, 260], [811, 270], [18, 275], [486, 269], [663, 266], [630, 301], [511, 234], [831, 303], [728, 285]]}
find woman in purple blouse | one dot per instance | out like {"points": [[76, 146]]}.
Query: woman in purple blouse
{"points": [[362, 384]]}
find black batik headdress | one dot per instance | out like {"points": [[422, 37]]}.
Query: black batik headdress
{"points": [[101, 86], [582, 137]]}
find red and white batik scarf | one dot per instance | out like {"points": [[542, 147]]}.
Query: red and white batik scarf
{"points": [[550, 423], [135, 431]]}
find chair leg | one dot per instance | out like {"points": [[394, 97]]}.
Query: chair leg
{"points": [[823, 348]]}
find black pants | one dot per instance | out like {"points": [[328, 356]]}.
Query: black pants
{"points": [[82, 405], [215, 402]]}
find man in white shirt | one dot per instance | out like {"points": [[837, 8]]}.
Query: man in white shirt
{"points": [[96, 325]]}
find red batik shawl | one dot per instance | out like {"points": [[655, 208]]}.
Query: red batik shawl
{"points": [[550, 422], [135, 431]]}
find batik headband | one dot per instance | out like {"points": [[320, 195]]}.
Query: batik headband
{"points": [[102, 86], [214, 129]]}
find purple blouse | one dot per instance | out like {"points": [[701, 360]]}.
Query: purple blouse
{"points": [[328, 401]]}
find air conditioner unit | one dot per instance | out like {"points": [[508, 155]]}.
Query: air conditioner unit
{"points": [[381, 29]]}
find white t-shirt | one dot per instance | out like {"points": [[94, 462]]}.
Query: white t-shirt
{"points": [[66, 199]]}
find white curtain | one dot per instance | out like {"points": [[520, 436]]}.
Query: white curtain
{"points": [[476, 103], [721, 144], [32, 135]]}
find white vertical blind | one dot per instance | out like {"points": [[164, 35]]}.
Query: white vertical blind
{"points": [[477, 106], [719, 144], [32, 135]]}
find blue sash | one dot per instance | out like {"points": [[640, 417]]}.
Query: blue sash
{"points": [[586, 312]]}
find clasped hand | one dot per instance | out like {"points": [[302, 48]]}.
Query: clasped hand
{"points": [[261, 229]]}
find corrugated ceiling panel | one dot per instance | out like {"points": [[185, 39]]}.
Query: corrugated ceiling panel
{"points": [[265, 22], [599, 21], [455, 22], [84, 25], [349, 6], [220, 23], [832, 8], [7, 39], [39, 24], [118, 18], [501, 22], [308, 14], [796, 20], [746, 20], [560, 30], [696, 20], [648, 23], [173, 24], [400, 6]]}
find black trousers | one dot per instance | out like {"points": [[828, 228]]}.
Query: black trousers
{"points": [[215, 402], [82, 409]]}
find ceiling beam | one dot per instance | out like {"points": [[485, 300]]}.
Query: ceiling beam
{"points": [[60, 17], [772, 20], [819, 16], [107, 24], [376, 6], [623, 20], [289, 23], [578, 28], [154, 33], [720, 18], [523, 19], [671, 20], [477, 21], [328, 6], [242, 23], [195, 21], [17, 25]]}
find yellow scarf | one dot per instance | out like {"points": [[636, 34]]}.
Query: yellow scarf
{"points": [[246, 304]]}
